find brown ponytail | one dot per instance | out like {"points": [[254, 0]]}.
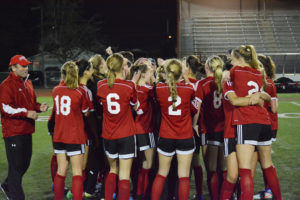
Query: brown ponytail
{"points": [[269, 65], [194, 63], [70, 71], [114, 64]]}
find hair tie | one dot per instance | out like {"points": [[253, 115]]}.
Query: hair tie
{"points": [[142, 60]]}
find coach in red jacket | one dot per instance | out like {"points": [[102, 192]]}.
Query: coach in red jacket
{"points": [[19, 109]]}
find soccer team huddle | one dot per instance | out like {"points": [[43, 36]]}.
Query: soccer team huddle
{"points": [[121, 122]]}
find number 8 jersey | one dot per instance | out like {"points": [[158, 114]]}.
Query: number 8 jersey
{"points": [[213, 113], [69, 104], [117, 116], [175, 124]]}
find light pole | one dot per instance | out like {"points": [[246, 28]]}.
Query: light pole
{"points": [[42, 64]]}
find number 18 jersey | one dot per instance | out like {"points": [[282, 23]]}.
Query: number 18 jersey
{"points": [[69, 104], [117, 116], [175, 124]]}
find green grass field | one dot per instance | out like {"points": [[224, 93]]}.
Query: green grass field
{"points": [[37, 181]]}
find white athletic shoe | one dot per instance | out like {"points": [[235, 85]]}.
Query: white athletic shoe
{"points": [[267, 194]]}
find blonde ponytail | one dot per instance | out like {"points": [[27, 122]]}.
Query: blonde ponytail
{"points": [[254, 61], [97, 60], [218, 78], [215, 65], [173, 90], [114, 64], [70, 71], [174, 71]]}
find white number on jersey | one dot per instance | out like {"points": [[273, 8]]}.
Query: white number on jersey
{"points": [[255, 89], [63, 106], [176, 112], [112, 106], [217, 100]]}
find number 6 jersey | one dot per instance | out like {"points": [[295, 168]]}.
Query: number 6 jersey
{"points": [[176, 124], [117, 116]]}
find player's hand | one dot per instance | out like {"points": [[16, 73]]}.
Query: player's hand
{"points": [[109, 51], [44, 107], [31, 114], [254, 98], [261, 103], [196, 128]]}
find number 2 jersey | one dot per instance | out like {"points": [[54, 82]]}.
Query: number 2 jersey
{"points": [[69, 104], [117, 116], [246, 81], [175, 124]]}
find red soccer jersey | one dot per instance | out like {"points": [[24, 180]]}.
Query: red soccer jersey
{"points": [[88, 95], [199, 97], [175, 124], [143, 120], [117, 116], [69, 104], [194, 103], [229, 129], [246, 81], [213, 113], [271, 90]]}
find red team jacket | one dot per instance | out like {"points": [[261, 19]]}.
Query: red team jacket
{"points": [[117, 117], [176, 124], [69, 104], [271, 90], [143, 120], [212, 115], [16, 98], [246, 81]]}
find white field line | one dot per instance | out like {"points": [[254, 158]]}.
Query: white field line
{"points": [[295, 103]]}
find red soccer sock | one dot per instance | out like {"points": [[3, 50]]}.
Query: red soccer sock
{"points": [[213, 184], [267, 186], [110, 186], [247, 185], [157, 187], [124, 190], [227, 190], [198, 172], [184, 188], [83, 175], [77, 187], [273, 181], [224, 175], [53, 167], [140, 183], [146, 180], [59, 187]]}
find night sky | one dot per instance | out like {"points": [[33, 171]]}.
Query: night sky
{"points": [[124, 25]]}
